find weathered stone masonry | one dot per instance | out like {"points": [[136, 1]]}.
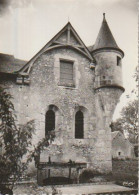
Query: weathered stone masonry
{"points": [[97, 77]]}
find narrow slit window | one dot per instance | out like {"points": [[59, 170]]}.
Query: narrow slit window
{"points": [[79, 125], [66, 72], [118, 61], [49, 121]]}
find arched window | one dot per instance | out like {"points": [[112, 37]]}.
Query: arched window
{"points": [[79, 125], [49, 121]]}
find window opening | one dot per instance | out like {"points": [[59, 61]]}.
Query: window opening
{"points": [[49, 121], [79, 125], [66, 72], [118, 61]]}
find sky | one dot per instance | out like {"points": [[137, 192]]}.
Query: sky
{"points": [[27, 25]]}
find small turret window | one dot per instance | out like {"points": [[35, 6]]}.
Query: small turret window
{"points": [[118, 61]]}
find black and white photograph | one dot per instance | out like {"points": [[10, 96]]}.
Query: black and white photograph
{"points": [[69, 97]]}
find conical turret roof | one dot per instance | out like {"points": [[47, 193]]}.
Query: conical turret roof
{"points": [[105, 38]]}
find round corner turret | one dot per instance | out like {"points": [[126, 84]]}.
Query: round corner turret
{"points": [[108, 56], [108, 71]]}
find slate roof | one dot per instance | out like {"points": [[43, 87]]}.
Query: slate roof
{"points": [[9, 64], [115, 133], [105, 38]]}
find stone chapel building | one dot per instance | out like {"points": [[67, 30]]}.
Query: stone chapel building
{"points": [[72, 89], [121, 147]]}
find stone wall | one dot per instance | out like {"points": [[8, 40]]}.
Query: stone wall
{"points": [[122, 145], [33, 101], [107, 71]]}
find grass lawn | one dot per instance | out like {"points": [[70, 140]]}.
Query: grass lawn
{"points": [[125, 172]]}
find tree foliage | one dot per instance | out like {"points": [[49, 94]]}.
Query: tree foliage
{"points": [[134, 93], [16, 141], [128, 122], [42, 145]]}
